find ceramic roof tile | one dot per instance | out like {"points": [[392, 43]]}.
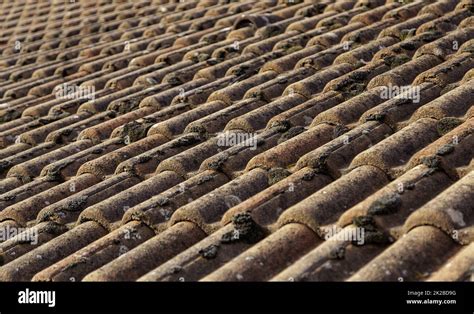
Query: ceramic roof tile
{"points": [[237, 141]]}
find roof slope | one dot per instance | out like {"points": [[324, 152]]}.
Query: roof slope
{"points": [[212, 140]]}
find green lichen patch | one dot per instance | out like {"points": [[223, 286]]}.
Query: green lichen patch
{"points": [[375, 117], [245, 230], [396, 60], [185, 141], [292, 132], [445, 150], [135, 130], [447, 124], [338, 253], [385, 205], [209, 252], [277, 174], [76, 204]]}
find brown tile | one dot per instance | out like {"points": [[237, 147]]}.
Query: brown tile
{"points": [[335, 156], [104, 129], [451, 151], [258, 118], [227, 210], [298, 39], [266, 206], [32, 168], [107, 163], [413, 257], [39, 194], [303, 114], [299, 145], [28, 240], [332, 260], [458, 268], [315, 83], [374, 15], [447, 72], [109, 212], [467, 22], [275, 87], [197, 96], [9, 184], [69, 133], [60, 107], [237, 149], [288, 62], [103, 100], [186, 74], [351, 110], [128, 76], [309, 23], [444, 23], [449, 212], [194, 262], [264, 46], [39, 134], [439, 7], [365, 34], [15, 108], [405, 73], [164, 98], [27, 265], [238, 89], [137, 129], [67, 210], [322, 58], [147, 162], [13, 149], [399, 30], [186, 163], [400, 106], [156, 211], [321, 209], [155, 77], [265, 259], [22, 191], [339, 19], [443, 47], [220, 69], [366, 52], [111, 246], [67, 166], [394, 152], [15, 123], [207, 210], [10, 135], [217, 121], [140, 260], [405, 12], [389, 207], [409, 46]]}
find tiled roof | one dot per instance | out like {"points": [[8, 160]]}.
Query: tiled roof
{"points": [[216, 140]]}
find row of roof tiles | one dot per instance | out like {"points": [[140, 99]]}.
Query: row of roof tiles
{"points": [[146, 182]]}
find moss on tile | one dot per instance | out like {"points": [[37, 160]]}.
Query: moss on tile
{"points": [[277, 174], [245, 230], [385, 205], [209, 252], [447, 124]]}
